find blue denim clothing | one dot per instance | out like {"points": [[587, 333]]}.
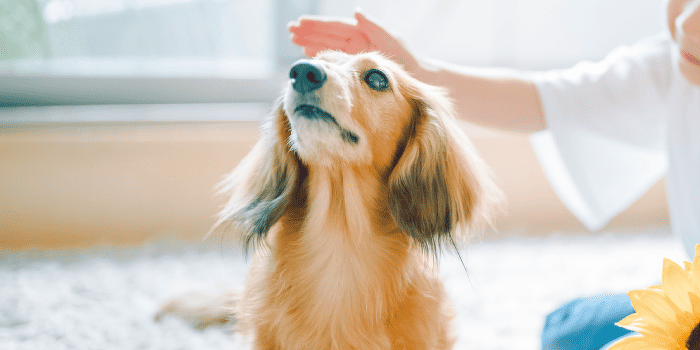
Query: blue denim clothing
{"points": [[586, 323]]}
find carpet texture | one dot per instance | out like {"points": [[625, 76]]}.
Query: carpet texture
{"points": [[105, 298]]}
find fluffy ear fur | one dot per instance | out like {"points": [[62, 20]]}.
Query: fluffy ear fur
{"points": [[439, 188], [262, 185]]}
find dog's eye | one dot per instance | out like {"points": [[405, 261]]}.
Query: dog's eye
{"points": [[376, 80]]}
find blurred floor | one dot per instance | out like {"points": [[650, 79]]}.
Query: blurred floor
{"points": [[105, 298]]}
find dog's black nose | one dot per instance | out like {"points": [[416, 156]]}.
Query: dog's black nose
{"points": [[307, 76]]}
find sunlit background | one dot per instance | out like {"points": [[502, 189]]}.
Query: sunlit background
{"points": [[247, 40], [119, 117]]}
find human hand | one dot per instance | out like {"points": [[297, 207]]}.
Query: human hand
{"points": [[314, 34]]}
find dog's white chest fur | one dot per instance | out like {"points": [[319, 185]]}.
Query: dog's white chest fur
{"points": [[341, 264], [338, 232]]}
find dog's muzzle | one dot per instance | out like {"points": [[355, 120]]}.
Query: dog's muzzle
{"points": [[307, 76]]}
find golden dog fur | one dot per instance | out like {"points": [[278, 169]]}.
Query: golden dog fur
{"points": [[346, 229]]}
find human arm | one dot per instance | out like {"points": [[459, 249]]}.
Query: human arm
{"points": [[495, 97], [500, 98]]}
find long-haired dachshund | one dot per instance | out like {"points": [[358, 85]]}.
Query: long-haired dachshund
{"points": [[361, 175]]}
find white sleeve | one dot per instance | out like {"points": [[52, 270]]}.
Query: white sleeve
{"points": [[605, 143]]}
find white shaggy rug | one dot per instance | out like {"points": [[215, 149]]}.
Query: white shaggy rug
{"points": [[105, 298]]}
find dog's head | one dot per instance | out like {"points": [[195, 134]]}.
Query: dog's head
{"points": [[346, 109], [364, 110]]}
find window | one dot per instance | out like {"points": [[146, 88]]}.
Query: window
{"points": [[144, 51]]}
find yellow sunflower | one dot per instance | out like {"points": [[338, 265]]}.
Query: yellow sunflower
{"points": [[667, 316]]}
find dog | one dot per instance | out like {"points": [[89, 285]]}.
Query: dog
{"points": [[362, 175]]}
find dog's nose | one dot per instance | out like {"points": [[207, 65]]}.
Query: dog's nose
{"points": [[307, 76]]}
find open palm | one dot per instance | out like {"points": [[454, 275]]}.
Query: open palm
{"points": [[314, 34]]}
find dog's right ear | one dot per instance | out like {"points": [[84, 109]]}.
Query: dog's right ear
{"points": [[262, 184], [439, 189]]}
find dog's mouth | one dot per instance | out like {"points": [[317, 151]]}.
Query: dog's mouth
{"points": [[313, 112]]}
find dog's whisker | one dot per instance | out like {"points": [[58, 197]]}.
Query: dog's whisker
{"points": [[454, 245]]}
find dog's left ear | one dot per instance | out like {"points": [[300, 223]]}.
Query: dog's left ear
{"points": [[439, 188], [262, 185]]}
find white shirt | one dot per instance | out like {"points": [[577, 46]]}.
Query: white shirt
{"points": [[615, 127]]}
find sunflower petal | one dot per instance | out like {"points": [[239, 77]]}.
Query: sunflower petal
{"points": [[634, 342], [633, 318], [695, 301], [653, 306], [657, 334], [693, 286], [696, 261], [635, 322], [676, 284], [695, 270], [666, 336]]}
